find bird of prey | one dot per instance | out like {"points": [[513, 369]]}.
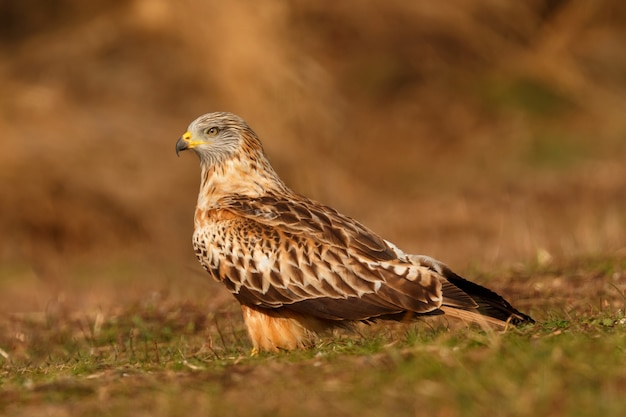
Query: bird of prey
{"points": [[298, 267]]}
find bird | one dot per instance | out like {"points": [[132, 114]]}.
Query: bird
{"points": [[300, 268]]}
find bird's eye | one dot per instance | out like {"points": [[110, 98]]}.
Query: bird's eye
{"points": [[211, 131]]}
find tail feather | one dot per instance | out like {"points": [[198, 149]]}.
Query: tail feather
{"points": [[484, 321], [490, 304], [457, 290]]}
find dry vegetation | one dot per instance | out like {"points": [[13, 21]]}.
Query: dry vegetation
{"points": [[488, 134]]}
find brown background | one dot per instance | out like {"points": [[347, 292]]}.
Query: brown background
{"points": [[484, 133]]}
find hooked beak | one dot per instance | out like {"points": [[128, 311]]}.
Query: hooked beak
{"points": [[183, 143]]}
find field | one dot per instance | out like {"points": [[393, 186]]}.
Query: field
{"points": [[162, 357], [490, 136]]}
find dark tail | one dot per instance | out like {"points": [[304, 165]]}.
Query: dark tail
{"points": [[489, 303]]}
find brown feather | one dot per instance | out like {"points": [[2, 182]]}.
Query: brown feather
{"points": [[298, 266]]}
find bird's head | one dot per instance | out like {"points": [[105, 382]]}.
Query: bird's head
{"points": [[216, 137]]}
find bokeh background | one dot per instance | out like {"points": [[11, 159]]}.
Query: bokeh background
{"points": [[484, 133]]}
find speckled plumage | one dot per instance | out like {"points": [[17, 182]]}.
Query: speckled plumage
{"points": [[298, 267]]}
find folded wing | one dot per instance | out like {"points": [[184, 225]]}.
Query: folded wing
{"points": [[306, 257]]}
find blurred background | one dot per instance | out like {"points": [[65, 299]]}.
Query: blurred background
{"points": [[483, 133]]}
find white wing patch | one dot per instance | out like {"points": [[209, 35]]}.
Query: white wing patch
{"points": [[399, 270], [399, 253], [262, 262]]}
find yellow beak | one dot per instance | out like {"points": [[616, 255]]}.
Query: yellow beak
{"points": [[185, 142]]}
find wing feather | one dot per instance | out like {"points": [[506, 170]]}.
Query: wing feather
{"points": [[318, 261], [305, 216]]}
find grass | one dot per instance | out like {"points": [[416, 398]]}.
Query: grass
{"points": [[171, 357]]}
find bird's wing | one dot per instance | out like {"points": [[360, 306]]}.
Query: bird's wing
{"points": [[294, 253]]}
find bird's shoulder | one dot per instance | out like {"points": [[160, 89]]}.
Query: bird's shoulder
{"points": [[296, 215]]}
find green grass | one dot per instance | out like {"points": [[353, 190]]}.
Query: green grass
{"points": [[175, 358]]}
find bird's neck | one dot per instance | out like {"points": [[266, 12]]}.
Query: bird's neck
{"points": [[235, 176]]}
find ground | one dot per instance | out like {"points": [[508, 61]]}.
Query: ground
{"points": [[488, 135], [164, 357]]}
